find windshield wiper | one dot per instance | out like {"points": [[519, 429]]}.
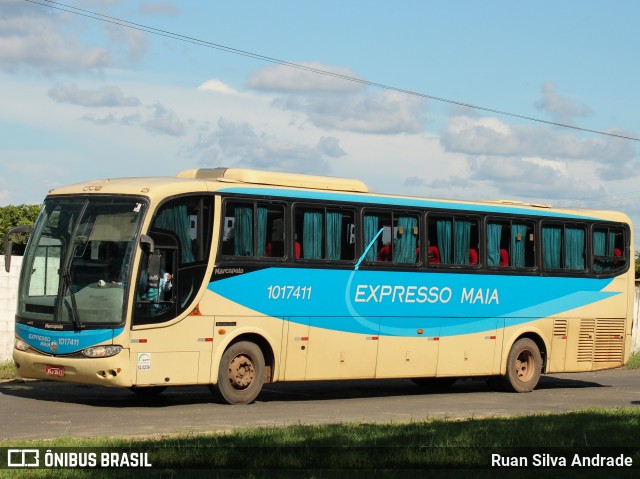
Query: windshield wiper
{"points": [[75, 316]]}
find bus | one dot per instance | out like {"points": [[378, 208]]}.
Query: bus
{"points": [[235, 278]]}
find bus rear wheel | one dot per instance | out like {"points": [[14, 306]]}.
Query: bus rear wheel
{"points": [[524, 366], [241, 373]]}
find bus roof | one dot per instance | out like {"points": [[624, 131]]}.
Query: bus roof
{"points": [[274, 178], [293, 185]]}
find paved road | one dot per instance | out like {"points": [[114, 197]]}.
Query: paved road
{"points": [[39, 410]]}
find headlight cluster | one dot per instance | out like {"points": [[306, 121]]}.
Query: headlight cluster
{"points": [[101, 351], [20, 345]]}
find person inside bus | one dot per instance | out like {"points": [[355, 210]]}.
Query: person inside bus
{"points": [[159, 293], [275, 247]]}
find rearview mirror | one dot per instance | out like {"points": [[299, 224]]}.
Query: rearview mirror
{"points": [[8, 243]]}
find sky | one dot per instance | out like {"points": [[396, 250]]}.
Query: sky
{"points": [[83, 98]]}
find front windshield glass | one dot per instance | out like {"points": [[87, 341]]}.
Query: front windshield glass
{"points": [[77, 265]]}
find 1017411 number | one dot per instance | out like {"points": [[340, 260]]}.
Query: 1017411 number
{"points": [[289, 292]]}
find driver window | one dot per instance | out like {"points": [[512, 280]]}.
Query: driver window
{"points": [[181, 231]]}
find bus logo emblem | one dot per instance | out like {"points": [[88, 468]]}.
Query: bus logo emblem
{"points": [[54, 346]]}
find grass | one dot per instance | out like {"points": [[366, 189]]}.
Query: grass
{"points": [[634, 362], [8, 371], [371, 450]]}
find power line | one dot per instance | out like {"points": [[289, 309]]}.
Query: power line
{"points": [[257, 56]]}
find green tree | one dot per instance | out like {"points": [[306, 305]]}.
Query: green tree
{"points": [[20, 215]]}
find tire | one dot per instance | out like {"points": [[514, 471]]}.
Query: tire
{"points": [[241, 373], [435, 384], [524, 366], [148, 391]]}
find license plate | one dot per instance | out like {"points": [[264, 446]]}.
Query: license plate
{"points": [[54, 370]]}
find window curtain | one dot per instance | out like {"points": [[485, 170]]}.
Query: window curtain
{"points": [[370, 232], [463, 241], [177, 219], [518, 235], [574, 248], [551, 244], [405, 247], [611, 247], [261, 231], [243, 231], [334, 235], [494, 233], [444, 240], [312, 235], [599, 243]]}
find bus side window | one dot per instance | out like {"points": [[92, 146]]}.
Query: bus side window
{"points": [[455, 239], [564, 247], [324, 233], [608, 249], [510, 244], [253, 230]]}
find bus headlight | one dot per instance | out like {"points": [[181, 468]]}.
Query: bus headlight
{"points": [[20, 345], [101, 351]]}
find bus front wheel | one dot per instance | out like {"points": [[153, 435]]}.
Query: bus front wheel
{"points": [[524, 366], [241, 373]]}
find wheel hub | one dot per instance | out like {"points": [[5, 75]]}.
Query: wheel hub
{"points": [[241, 372], [524, 366]]}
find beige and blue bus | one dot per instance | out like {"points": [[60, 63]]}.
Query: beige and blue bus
{"points": [[234, 278]]}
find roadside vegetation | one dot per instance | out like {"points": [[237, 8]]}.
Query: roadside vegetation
{"points": [[634, 362], [8, 371], [444, 447]]}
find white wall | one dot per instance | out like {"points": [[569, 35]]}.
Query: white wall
{"points": [[8, 296]]}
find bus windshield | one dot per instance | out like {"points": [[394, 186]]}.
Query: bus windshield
{"points": [[76, 268]]}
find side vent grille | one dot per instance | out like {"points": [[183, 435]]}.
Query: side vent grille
{"points": [[560, 327], [601, 341], [586, 339]]}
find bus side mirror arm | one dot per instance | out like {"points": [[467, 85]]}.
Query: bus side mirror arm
{"points": [[147, 240], [153, 266], [8, 243]]}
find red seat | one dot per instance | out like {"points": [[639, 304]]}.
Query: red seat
{"points": [[385, 253], [504, 257], [473, 256], [434, 255]]}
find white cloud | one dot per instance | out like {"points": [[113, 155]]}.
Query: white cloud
{"points": [[239, 144], [561, 107], [217, 86], [531, 177], [133, 43], [104, 96], [283, 78], [385, 112], [336, 104], [32, 36], [612, 158], [164, 122]]}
